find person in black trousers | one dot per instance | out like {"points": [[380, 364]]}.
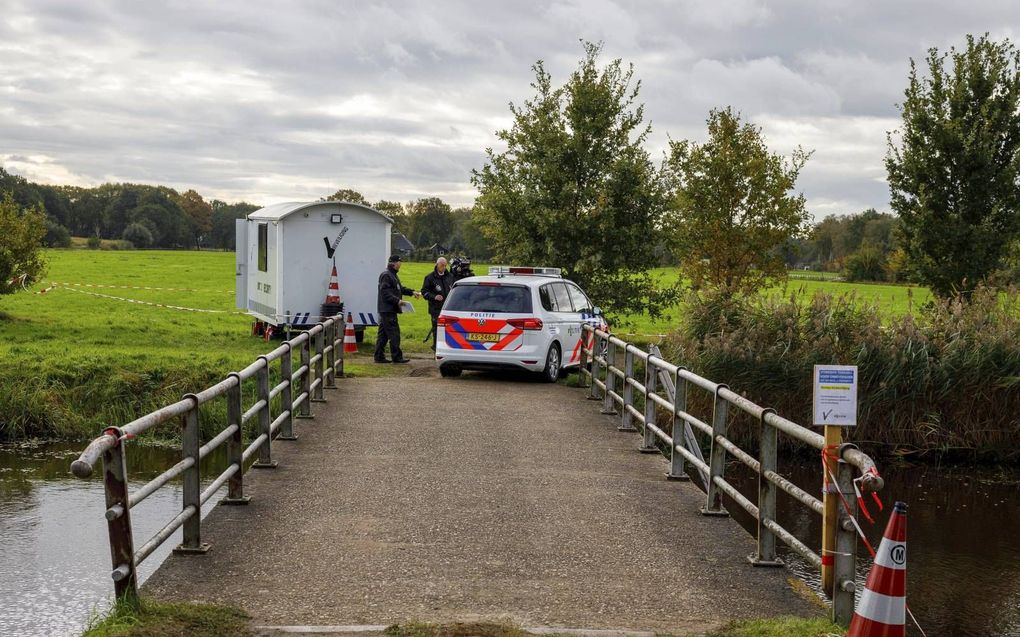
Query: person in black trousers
{"points": [[388, 305], [435, 288]]}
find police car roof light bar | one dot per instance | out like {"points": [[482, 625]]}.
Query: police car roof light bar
{"points": [[503, 270]]}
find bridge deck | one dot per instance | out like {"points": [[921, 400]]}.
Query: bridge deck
{"points": [[436, 499]]}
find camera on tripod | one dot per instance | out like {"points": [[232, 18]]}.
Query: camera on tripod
{"points": [[460, 267]]}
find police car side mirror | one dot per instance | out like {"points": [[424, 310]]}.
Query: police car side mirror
{"points": [[597, 311]]}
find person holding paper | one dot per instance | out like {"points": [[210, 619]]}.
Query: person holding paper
{"points": [[389, 305]]}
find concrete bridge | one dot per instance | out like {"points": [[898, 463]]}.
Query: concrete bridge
{"points": [[427, 499]]}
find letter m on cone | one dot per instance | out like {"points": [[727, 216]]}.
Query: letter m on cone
{"points": [[882, 610]]}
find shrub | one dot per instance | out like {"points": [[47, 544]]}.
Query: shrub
{"points": [[944, 380], [867, 264], [93, 243], [138, 234], [57, 236]]}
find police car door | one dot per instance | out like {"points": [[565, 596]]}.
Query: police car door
{"points": [[563, 317]]}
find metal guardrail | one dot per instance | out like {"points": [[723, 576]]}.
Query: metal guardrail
{"points": [[667, 387], [320, 362]]}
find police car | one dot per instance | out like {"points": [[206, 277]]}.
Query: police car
{"points": [[515, 318]]}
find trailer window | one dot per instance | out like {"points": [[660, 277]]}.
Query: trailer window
{"points": [[263, 247]]}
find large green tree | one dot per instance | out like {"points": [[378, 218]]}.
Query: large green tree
{"points": [[429, 221], [733, 207], [574, 187], [346, 194], [21, 235], [954, 169]]}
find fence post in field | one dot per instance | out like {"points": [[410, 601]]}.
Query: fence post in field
{"points": [[717, 460], [265, 416], [287, 395], [192, 482], [767, 460], [235, 445], [609, 403], [118, 522]]}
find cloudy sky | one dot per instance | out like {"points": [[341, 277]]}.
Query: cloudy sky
{"points": [[279, 101]]}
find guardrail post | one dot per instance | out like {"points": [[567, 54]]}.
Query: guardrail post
{"points": [[651, 386], [767, 459], [317, 398], [626, 418], [338, 347], [190, 445], [609, 403], [287, 396], [330, 336], [845, 557], [235, 445], [306, 382], [265, 459], [582, 364], [593, 389], [717, 461], [118, 522], [677, 471]]}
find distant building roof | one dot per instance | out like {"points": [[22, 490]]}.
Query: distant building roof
{"points": [[402, 243]]}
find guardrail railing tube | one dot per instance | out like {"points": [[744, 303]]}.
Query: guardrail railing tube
{"points": [[287, 395], [192, 492], [122, 544], [305, 411], [768, 453], [609, 404], [845, 557], [626, 419], [235, 446], [319, 362], [717, 460], [677, 471], [265, 459], [651, 386], [330, 336]]}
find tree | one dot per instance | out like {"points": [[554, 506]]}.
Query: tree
{"points": [[138, 234], [574, 187], [346, 194], [429, 221], [733, 208], [224, 234], [199, 214], [21, 236], [953, 166]]}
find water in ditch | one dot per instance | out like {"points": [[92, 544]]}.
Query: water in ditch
{"points": [[963, 566]]}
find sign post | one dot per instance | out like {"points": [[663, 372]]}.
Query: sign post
{"points": [[835, 407]]}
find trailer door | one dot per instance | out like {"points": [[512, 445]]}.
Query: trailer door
{"points": [[241, 263]]}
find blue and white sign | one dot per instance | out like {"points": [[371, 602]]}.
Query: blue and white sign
{"points": [[835, 395]]}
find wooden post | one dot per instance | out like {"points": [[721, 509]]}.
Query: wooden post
{"points": [[830, 500]]}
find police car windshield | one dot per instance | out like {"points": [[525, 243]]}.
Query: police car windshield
{"points": [[508, 299]]}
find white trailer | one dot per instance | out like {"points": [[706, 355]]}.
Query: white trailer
{"points": [[285, 254]]}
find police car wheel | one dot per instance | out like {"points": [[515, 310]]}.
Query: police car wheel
{"points": [[449, 371], [551, 373]]}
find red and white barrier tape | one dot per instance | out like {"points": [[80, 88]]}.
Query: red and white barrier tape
{"points": [[149, 303], [138, 287]]}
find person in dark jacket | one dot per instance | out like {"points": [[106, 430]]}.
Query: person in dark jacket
{"points": [[435, 288], [390, 291]]}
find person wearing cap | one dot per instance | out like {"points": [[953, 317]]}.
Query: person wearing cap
{"points": [[388, 305], [435, 288]]}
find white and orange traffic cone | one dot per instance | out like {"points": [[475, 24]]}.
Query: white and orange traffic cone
{"points": [[333, 291], [882, 610], [350, 340]]}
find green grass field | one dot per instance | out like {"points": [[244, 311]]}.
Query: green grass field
{"points": [[75, 361]]}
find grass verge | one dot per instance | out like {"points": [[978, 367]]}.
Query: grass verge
{"points": [[159, 619]]}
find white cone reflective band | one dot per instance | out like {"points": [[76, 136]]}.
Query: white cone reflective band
{"points": [[882, 609], [350, 339]]}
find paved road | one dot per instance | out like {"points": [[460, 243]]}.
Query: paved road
{"points": [[420, 498]]}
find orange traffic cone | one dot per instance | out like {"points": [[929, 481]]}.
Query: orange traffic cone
{"points": [[333, 291], [350, 340], [882, 610]]}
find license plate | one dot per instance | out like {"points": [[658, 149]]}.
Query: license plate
{"points": [[484, 338]]}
